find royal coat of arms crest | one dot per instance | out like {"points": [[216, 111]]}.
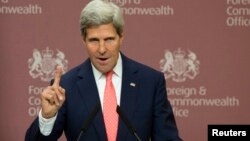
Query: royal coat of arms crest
{"points": [[43, 63], [178, 66]]}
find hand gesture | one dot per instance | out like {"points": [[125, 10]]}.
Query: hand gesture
{"points": [[53, 96]]}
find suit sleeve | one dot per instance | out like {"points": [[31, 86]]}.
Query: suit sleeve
{"points": [[33, 133], [164, 125]]}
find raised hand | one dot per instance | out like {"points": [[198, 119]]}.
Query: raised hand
{"points": [[53, 96]]}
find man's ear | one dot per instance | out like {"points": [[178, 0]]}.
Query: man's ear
{"points": [[122, 34], [83, 40], [122, 37]]}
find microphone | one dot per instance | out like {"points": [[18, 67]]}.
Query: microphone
{"points": [[89, 120], [127, 123]]}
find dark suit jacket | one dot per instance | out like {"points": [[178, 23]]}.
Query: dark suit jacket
{"points": [[145, 105]]}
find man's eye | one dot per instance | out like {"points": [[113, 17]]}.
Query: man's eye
{"points": [[110, 39], [93, 40]]}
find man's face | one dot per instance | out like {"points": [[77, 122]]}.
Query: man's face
{"points": [[103, 46]]}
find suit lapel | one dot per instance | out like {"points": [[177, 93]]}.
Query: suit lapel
{"points": [[90, 97], [129, 93]]}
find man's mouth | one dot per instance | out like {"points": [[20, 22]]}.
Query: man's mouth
{"points": [[102, 61]]}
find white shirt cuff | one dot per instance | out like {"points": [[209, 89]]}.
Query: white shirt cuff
{"points": [[46, 125]]}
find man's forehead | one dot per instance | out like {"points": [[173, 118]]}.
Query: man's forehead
{"points": [[101, 30]]}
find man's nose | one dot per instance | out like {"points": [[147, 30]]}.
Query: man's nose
{"points": [[102, 47]]}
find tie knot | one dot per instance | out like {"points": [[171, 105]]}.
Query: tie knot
{"points": [[109, 75]]}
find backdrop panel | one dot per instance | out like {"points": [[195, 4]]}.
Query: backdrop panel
{"points": [[202, 47]]}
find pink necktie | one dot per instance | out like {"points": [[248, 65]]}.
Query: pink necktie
{"points": [[109, 108]]}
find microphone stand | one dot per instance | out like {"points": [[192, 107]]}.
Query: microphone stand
{"points": [[89, 120], [127, 123]]}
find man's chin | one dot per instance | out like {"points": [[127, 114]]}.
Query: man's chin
{"points": [[104, 68]]}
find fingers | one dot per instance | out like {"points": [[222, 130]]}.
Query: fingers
{"points": [[54, 96], [50, 103], [60, 94], [56, 84], [58, 74], [48, 95]]}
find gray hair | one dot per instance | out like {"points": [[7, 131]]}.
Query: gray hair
{"points": [[98, 12]]}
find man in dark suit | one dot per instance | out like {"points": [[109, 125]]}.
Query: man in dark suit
{"points": [[139, 90]]}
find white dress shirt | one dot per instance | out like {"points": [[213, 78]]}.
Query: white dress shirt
{"points": [[46, 125]]}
